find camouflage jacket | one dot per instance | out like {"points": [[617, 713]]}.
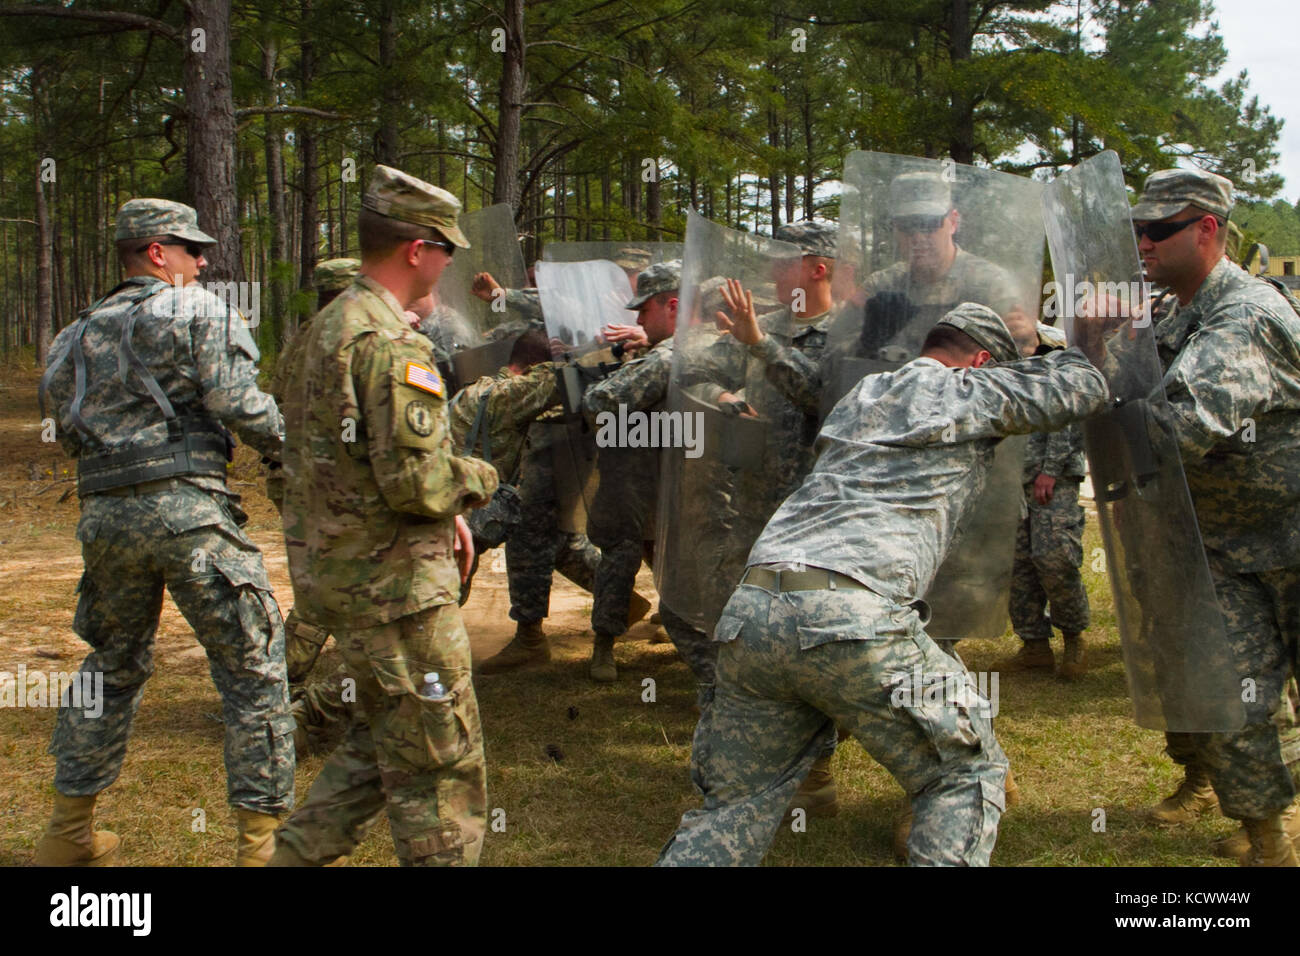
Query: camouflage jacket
{"points": [[1231, 359], [198, 351], [513, 404], [371, 481], [905, 454], [1058, 454]]}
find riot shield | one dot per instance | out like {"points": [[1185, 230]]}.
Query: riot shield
{"points": [[463, 323], [578, 300], [753, 445], [1175, 646]]}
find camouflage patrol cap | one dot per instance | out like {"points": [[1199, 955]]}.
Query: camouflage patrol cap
{"points": [[146, 218], [986, 327], [920, 194], [1234, 241], [1050, 336], [813, 237], [334, 275], [1170, 191], [660, 277], [399, 195], [630, 257]]}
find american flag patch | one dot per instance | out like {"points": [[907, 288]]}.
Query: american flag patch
{"points": [[424, 378]]}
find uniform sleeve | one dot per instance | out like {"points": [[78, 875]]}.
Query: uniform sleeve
{"points": [[792, 373], [519, 399], [1045, 393], [60, 391], [641, 384], [403, 404], [720, 367], [226, 359], [1060, 450]]}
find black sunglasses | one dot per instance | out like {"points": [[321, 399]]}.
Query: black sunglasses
{"points": [[192, 249], [447, 247], [914, 224], [1160, 231]]}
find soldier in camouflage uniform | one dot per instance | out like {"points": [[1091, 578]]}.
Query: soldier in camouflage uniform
{"points": [[318, 708], [1230, 350], [1049, 552], [621, 521], [372, 511], [840, 640], [142, 385]]}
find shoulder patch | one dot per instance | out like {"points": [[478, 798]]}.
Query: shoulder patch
{"points": [[428, 379], [420, 417]]}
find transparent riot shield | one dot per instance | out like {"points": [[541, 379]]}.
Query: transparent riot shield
{"points": [[753, 445], [465, 325], [1176, 654], [578, 300]]}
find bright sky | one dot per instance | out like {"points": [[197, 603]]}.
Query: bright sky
{"points": [[1261, 37]]}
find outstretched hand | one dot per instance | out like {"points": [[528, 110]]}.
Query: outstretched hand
{"points": [[743, 322]]}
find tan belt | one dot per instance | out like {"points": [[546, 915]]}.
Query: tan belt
{"points": [[814, 579], [143, 488]]}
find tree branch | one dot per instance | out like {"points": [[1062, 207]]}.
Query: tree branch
{"points": [[130, 21]]}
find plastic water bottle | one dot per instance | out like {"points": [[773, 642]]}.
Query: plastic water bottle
{"points": [[433, 689]]}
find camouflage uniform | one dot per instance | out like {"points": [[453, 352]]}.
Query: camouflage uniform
{"points": [[872, 522], [371, 490], [1232, 377], [181, 532], [1049, 541]]}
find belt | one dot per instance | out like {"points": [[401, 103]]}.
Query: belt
{"points": [[814, 579], [143, 488]]}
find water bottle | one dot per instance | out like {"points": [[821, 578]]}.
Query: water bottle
{"points": [[433, 689]]}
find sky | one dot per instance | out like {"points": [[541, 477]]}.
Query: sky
{"points": [[1261, 37]]}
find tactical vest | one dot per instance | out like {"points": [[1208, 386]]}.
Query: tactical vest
{"points": [[188, 432]]}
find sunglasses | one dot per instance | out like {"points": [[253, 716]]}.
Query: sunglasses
{"points": [[447, 247], [915, 224], [1160, 231], [192, 249]]}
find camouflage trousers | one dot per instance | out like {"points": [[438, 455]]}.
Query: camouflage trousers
{"points": [[695, 648], [792, 667], [418, 760], [615, 580], [1049, 552], [537, 548], [189, 541], [1254, 770]]}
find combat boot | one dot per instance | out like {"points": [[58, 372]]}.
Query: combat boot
{"points": [[816, 796], [1236, 845], [1012, 790], [71, 840], [1033, 656], [256, 840], [1073, 660], [529, 646], [1193, 797], [603, 670], [1269, 843]]}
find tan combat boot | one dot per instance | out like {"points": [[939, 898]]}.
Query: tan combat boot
{"points": [[1193, 797], [1236, 845], [603, 669], [256, 840], [1073, 660], [816, 796], [529, 646], [71, 840], [1012, 790], [1269, 843], [1033, 656]]}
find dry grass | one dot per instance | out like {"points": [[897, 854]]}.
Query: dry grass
{"points": [[622, 782]]}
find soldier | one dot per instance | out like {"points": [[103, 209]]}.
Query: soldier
{"points": [[1230, 351], [372, 512], [841, 639], [143, 383], [1049, 552], [318, 708]]}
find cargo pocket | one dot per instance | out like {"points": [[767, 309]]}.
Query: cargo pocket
{"points": [[418, 733], [727, 629], [940, 704]]}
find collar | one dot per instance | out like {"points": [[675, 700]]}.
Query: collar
{"points": [[382, 291]]}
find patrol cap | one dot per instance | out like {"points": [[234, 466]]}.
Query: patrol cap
{"points": [[986, 327], [334, 275], [920, 194], [813, 237], [630, 257], [398, 195], [660, 277], [146, 218], [1050, 336], [1170, 191]]}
